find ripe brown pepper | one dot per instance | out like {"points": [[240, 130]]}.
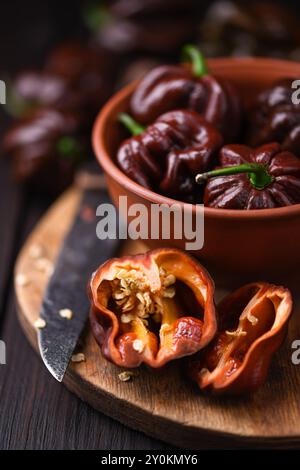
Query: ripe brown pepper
{"points": [[152, 308], [275, 118], [253, 323], [169, 153], [248, 178], [45, 149], [171, 87]]}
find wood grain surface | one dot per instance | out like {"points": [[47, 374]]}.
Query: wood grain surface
{"points": [[163, 404]]}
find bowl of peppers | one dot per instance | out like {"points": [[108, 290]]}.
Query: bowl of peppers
{"points": [[224, 133]]}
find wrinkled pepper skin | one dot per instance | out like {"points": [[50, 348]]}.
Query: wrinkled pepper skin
{"points": [[275, 118], [139, 313], [237, 192], [169, 153], [74, 78], [34, 145], [253, 323], [170, 87]]}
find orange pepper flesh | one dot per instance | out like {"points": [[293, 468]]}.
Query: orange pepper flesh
{"points": [[152, 308], [253, 325]]}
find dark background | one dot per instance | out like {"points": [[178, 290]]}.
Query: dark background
{"points": [[36, 412]]}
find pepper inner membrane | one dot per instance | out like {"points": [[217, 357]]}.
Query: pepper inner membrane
{"points": [[241, 331], [142, 309]]}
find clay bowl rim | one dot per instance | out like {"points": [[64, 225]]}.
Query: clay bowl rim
{"points": [[109, 166]]}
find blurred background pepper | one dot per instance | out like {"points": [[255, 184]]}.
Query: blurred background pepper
{"points": [[70, 60]]}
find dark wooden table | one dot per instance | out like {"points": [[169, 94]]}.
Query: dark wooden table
{"points": [[36, 412]]}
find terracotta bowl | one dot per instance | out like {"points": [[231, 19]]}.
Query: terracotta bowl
{"points": [[236, 242]]}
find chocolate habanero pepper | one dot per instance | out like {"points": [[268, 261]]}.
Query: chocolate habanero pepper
{"points": [[248, 178], [152, 308], [167, 155], [275, 117], [75, 78], [253, 322], [45, 148], [170, 87]]}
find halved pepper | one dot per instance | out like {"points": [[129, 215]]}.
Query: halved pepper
{"points": [[152, 308], [253, 323]]}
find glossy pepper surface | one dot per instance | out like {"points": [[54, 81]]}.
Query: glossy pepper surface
{"points": [[152, 308], [276, 118], [260, 178], [45, 149], [167, 155], [253, 323], [170, 87]]}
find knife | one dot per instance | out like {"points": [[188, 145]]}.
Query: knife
{"points": [[81, 253]]}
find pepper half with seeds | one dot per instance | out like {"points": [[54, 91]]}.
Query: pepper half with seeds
{"points": [[152, 308], [253, 323]]}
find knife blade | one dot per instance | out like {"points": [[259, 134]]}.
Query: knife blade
{"points": [[81, 253]]}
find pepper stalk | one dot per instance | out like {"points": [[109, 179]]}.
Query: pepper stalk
{"points": [[257, 173], [134, 127], [192, 54]]}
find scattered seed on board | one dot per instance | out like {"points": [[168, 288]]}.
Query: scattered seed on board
{"points": [[35, 251], [66, 313], [22, 280], [79, 357], [40, 323], [126, 375]]}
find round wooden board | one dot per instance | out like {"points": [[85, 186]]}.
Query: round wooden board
{"points": [[162, 403]]}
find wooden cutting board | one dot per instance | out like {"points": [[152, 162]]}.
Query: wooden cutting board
{"points": [[161, 403]]}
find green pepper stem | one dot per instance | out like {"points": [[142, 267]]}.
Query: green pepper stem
{"points": [[257, 173], [192, 53], [134, 127]]}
